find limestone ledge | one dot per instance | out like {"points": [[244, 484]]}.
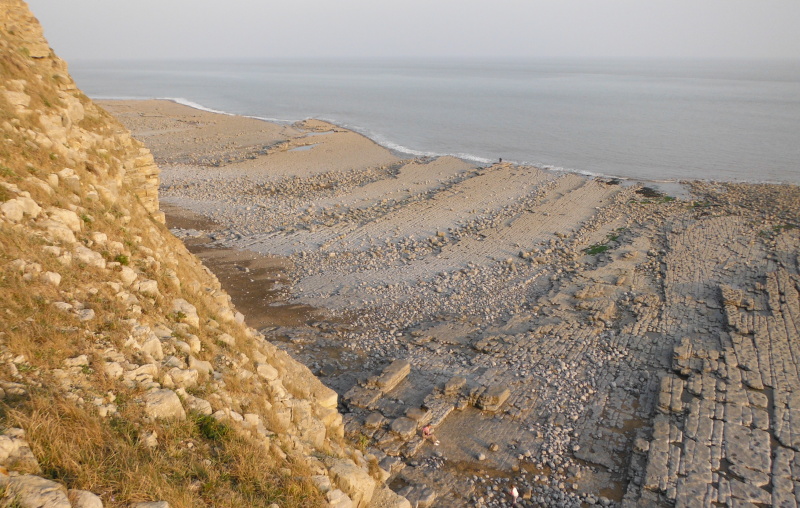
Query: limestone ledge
{"points": [[727, 430]]}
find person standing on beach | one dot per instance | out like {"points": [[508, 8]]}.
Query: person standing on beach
{"points": [[514, 494]]}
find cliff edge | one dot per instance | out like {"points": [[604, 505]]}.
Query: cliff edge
{"points": [[127, 378]]}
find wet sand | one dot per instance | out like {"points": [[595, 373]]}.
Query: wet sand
{"points": [[540, 313], [259, 285]]}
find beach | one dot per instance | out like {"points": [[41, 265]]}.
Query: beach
{"points": [[590, 340]]}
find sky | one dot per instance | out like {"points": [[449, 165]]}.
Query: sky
{"points": [[245, 29]]}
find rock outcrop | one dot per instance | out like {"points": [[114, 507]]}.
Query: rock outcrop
{"points": [[108, 321]]}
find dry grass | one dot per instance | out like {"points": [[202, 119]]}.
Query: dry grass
{"points": [[198, 462], [31, 326]]}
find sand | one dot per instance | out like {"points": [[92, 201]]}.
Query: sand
{"points": [[576, 297]]}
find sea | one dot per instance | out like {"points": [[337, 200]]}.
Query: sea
{"points": [[659, 121]]}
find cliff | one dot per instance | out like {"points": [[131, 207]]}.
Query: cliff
{"points": [[126, 375]]}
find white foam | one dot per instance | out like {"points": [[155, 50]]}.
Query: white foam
{"points": [[403, 149], [395, 147], [269, 119], [473, 158], [194, 105], [559, 169], [177, 100]]}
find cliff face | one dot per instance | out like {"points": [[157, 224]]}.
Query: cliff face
{"points": [[63, 122], [125, 373]]}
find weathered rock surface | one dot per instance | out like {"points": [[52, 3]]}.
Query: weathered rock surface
{"points": [[84, 499], [164, 404], [35, 492], [106, 313], [353, 481]]}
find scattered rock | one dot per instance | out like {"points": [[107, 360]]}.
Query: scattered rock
{"points": [[164, 404], [35, 491], [405, 427]]}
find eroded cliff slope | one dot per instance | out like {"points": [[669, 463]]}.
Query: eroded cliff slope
{"points": [[126, 375]]}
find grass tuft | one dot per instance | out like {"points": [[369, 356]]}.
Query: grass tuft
{"points": [[210, 428], [595, 249]]}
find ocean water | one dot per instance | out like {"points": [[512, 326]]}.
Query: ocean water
{"points": [[657, 121]]}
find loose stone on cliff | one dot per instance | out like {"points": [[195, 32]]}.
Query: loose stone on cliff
{"points": [[164, 404]]}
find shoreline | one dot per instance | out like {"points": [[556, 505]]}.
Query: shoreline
{"points": [[401, 151], [539, 314]]}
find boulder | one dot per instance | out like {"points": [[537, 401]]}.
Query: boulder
{"points": [[184, 378], [51, 278], [423, 497], [322, 482], [89, 257], [493, 398], [202, 406], [267, 371], [65, 217], [404, 427], [454, 385], [152, 346], [69, 179], [86, 314], [331, 418], [113, 370], [127, 275], [164, 404], [387, 498], [227, 339], [29, 206], [419, 415], [73, 108], [310, 429], [15, 452], [12, 210], [374, 420], [149, 288], [203, 367], [338, 499], [325, 397], [186, 312], [393, 375], [99, 238], [17, 99], [13, 390], [195, 346], [58, 232], [353, 481], [149, 439], [36, 492], [84, 499], [358, 396]]}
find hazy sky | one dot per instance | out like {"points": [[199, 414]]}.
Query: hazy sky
{"points": [[148, 29]]}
